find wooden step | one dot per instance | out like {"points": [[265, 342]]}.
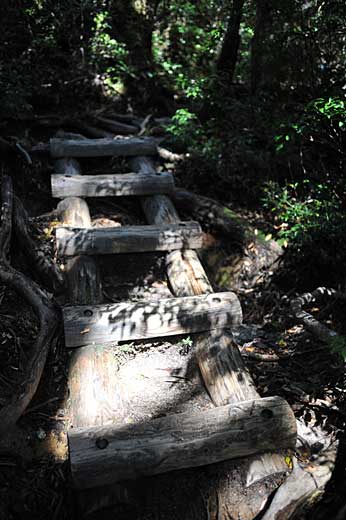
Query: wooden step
{"points": [[150, 319], [128, 239], [102, 455], [60, 147], [111, 185]]}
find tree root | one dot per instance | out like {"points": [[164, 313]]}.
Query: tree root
{"points": [[317, 329], [43, 308], [46, 271], [216, 216]]}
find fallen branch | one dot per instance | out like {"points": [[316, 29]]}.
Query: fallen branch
{"points": [[43, 308], [319, 330]]}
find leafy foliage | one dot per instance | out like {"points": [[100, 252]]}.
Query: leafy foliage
{"points": [[108, 55], [302, 208], [338, 345]]}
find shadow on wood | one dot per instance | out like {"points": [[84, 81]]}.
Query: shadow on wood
{"points": [[131, 239], [131, 321], [104, 454]]}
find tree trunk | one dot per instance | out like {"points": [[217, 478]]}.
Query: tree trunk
{"points": [[258, 46], [227, 59], [133, 24]]}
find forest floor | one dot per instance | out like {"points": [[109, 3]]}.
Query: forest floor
{"points": [[282, 357]]}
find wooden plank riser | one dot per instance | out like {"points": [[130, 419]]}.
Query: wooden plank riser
{"points": [[119, 185], [132, 239], [132, 321], [102, 147], [159, 209], [104, 454]]}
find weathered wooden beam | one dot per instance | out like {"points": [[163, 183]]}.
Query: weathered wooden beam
{"points": [[105, 454], [116, 126], [81, 272], [223, 372], [93, 393], [111, 185], [93, 386], [140, 320], [102, 147], [185, 272], [128, 239]]}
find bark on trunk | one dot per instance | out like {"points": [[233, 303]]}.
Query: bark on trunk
{"points": [[227, 59]]}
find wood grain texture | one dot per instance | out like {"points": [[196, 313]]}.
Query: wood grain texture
{"points": [[111, 185], [74, 211], [83, 279], [105, 454], [130, 321], [81, 273], [128, 239], [93, 392], [185, 272], [102, 147], [93, 386], [158, 209], [223, 372]]}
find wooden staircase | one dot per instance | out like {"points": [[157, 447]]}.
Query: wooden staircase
{"points": [[241, 424]]}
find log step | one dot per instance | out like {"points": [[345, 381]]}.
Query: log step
{"points": [[106, 454], [128, 239], [111, 185], [89, 324], [102, 147]]}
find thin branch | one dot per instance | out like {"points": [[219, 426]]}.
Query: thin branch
{"points": [[319, 330]]}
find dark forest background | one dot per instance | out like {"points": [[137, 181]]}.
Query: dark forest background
{"points": [[255, 90]]}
